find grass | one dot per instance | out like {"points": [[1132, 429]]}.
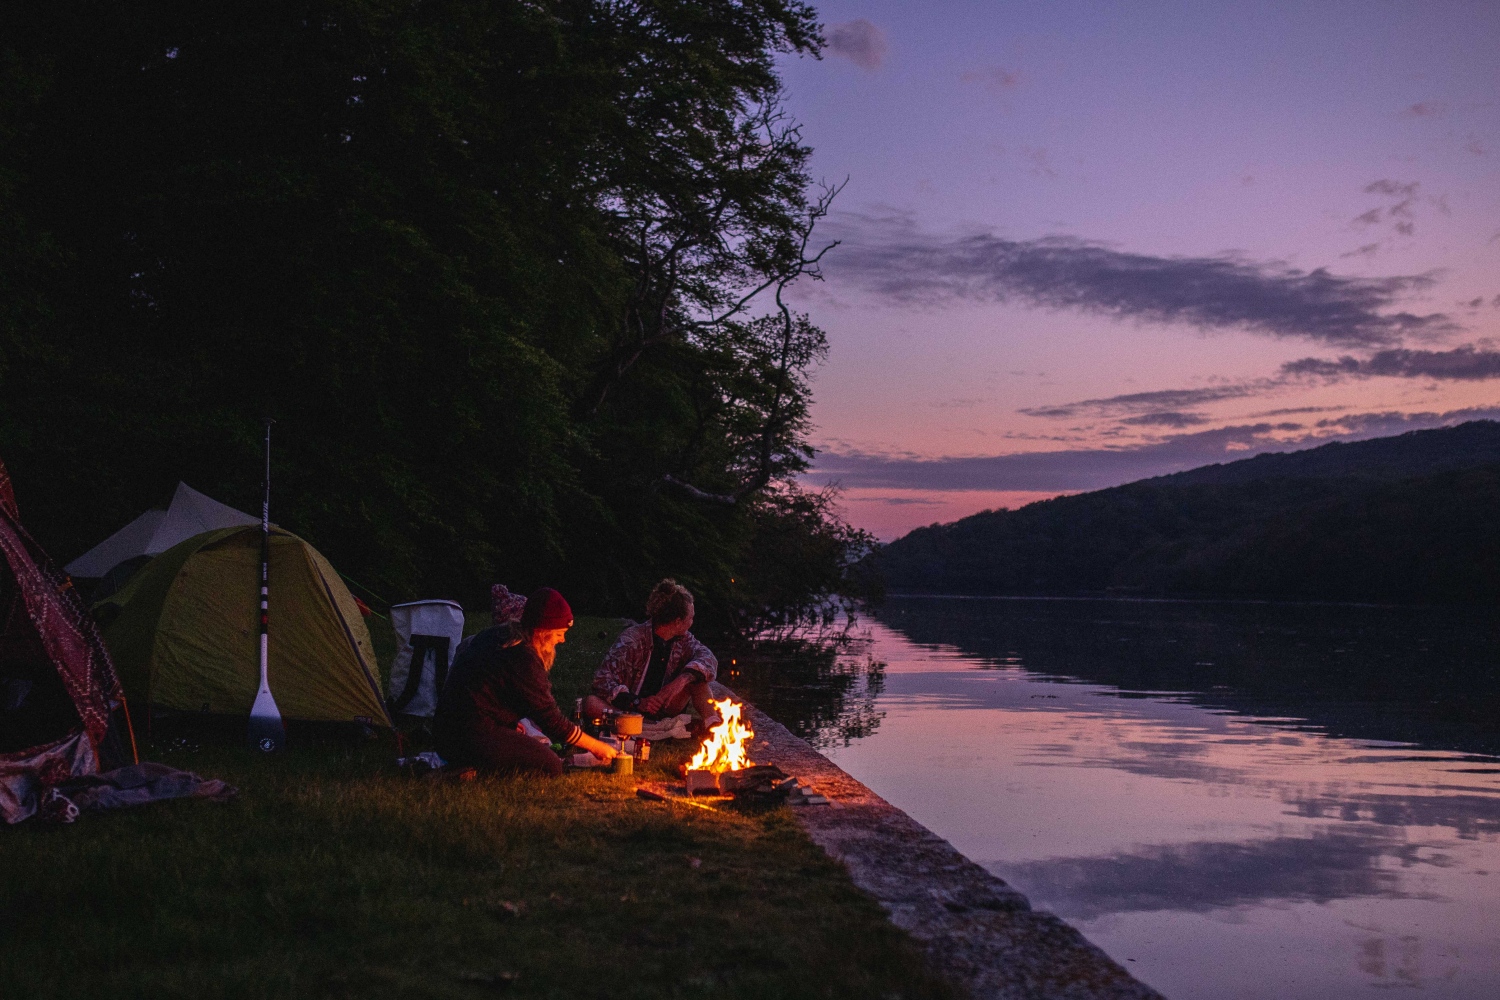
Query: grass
{"points": [[335, 876]]}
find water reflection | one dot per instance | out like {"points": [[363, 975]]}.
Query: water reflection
{"points": [[1208, 875], [1421, 675], [825, 694], [1221, 796]]}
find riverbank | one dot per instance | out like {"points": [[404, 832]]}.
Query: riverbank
{"points": [[981, 932], [335, 876]]}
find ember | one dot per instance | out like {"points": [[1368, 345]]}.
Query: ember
{"points": [[725, 748]]}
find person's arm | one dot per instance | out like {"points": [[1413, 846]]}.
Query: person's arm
{"points": [[541, 707], [598, 748], [700, 666], [700, 659], [609, 679], [669, 691]]}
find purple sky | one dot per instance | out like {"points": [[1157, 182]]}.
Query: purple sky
{"points": [[1087, 243]]}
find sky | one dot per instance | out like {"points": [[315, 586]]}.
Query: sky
{"points": [[1086, 243]]}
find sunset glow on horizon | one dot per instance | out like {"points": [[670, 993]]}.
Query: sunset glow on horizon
{"points": [[1085, 244]]}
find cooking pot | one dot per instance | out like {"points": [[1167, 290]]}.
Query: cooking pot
{"points": [[628, 724]]}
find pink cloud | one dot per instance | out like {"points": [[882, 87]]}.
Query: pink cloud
{"points": [[859, 41]]}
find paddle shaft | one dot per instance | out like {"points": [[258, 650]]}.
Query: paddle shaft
{"points": [[266, 729], [265, 570]]}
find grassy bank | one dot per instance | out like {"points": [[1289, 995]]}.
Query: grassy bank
{"points": [[334, 876]]}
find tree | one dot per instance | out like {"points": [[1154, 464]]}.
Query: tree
{"points": [[496, 267]]}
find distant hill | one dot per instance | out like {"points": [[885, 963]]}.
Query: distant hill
{"points": [[1408, 518]]}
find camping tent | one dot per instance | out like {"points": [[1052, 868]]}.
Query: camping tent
{"points": [[183, 631], [156, 531], [57, 685]]}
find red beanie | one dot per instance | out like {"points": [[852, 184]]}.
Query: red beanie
{"points": [[546, 609]]}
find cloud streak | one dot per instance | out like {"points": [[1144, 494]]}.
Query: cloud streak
{"points": [[1167, 418], [1145, 403], [1466, 363], [994, 77], [1099, 468], [891, 258], [1173, 407]]}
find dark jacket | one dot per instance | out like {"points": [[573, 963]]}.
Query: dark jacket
{"points": [[496, 685]]}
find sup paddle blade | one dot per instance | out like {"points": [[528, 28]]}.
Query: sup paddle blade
{"points": [[266, 730]]}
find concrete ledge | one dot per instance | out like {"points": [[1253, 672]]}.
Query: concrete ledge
{"points": [[976, 929]]}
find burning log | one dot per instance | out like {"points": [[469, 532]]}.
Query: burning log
{"points": [[763, 782], [702, 783], [724, 750], [723, 753], [722, 766]]}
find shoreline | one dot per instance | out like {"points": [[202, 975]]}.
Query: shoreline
{"points": [[973, 927]]}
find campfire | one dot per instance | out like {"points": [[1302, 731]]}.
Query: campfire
{"points": [[725, 748], [722, 766]]}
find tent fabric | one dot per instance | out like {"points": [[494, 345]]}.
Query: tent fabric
{"points": [[44, 624], [192, 513], [57, 684], [128, 543], [154, 532], [8, 495], [184, 631]]}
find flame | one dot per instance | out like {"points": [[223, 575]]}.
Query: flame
{"points": [[725, 748]]}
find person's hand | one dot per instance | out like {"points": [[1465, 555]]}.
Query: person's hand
{"points": [[600, 749], [668, 694]]}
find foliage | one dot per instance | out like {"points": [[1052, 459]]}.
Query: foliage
{"points": [[508, 276], [1398, 519], [332, 876], [801, 548], [824, 692]]}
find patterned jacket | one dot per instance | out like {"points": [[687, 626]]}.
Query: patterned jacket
{"points": [[624, 666]]}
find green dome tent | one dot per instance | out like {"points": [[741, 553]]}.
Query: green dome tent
{"points": [[183, 631]]}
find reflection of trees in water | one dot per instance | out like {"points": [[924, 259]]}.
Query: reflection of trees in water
{"points": [[1423, 675], [823, 692]]}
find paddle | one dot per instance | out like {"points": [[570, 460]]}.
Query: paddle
{"points": [[266, 730]]}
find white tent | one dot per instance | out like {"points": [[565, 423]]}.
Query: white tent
{"points": [[156, 531]]}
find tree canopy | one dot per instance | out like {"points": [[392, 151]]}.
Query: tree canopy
{"points": [[508, 275]]}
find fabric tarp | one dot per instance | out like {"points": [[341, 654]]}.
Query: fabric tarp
{"points": [[25, 776], [185, 633], [154, 532], [46, 636], [47, 609]]}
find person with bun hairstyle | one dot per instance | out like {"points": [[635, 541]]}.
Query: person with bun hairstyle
{"points": [[499, 679], [658, 667]]}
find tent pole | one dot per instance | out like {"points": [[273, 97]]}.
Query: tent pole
{"points": [[130, 728]]}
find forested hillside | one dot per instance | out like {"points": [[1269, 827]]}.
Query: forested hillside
{"points": [[506, 274], [1409, 518]]}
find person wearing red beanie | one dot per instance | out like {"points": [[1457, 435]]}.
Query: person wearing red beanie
{"points": [[546, 610], [500, 678]]}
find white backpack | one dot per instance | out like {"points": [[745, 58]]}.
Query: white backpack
{"points": [[427, 637]]}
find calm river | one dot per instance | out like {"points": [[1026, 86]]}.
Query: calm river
{"points": [[1233, 800]]}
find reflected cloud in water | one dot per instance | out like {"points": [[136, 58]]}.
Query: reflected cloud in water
{"points": [[1254, 827], [1212, 875]]}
